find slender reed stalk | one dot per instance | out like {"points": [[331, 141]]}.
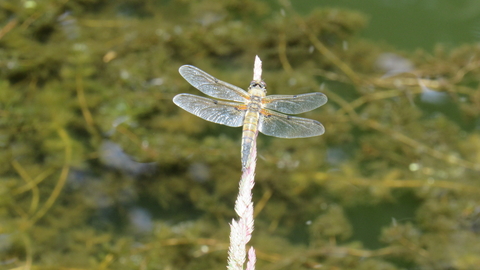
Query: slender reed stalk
{"points": [[241, 229]]}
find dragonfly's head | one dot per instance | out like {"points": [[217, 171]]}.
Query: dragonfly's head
{"points": [[260, 85]]}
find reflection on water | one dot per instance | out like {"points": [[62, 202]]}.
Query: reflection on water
{"points": [[113, 156], [393, 64]]}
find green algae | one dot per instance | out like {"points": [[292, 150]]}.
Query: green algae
{"points": [[70, 81]]}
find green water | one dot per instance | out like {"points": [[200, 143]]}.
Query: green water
{"points": [[411, 25], [100, 170]]}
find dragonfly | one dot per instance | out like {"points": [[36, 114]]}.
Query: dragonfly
{"points": [[253, 110]]}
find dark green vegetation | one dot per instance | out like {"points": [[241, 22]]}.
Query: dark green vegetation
{"points": [[393, 183]]}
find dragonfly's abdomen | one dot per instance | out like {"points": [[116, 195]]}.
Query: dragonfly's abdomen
{"points": [[250, 131]]}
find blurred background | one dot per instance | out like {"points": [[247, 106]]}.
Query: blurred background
{"points": [[100, 170]]}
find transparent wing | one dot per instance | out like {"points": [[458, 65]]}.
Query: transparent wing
{"points": [[211, 86], [220, 112], [293, 104], [286, 126]]}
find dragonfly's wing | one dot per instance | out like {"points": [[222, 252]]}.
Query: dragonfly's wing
{"points": [[293, 104], [286, 126], [220, 112], [211, 86]]}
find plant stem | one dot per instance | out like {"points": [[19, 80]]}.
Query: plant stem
{"points": [[241, 229]]}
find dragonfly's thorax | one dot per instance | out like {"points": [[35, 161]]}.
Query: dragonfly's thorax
{"points": [[254, 106], [256, 96], [255, 99]]}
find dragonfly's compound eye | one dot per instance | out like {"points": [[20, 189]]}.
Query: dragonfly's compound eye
{"points": [[263, 85]]}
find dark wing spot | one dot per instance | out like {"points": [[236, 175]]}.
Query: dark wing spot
{"points": [[289, 117], [294, 96], [215, 101]]}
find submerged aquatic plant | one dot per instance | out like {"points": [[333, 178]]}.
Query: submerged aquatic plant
{"points": [[393, 185]]}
